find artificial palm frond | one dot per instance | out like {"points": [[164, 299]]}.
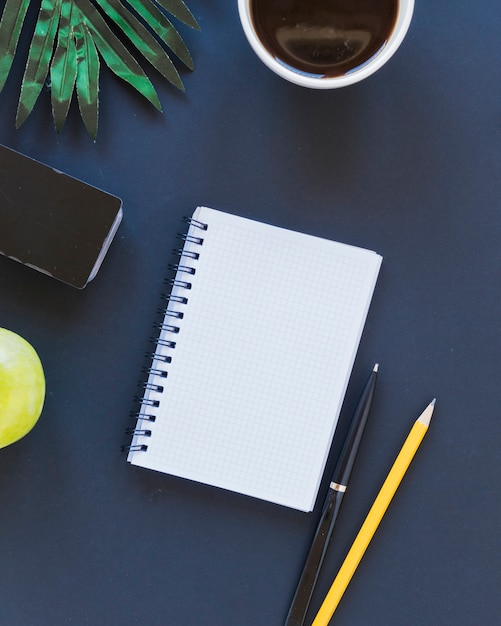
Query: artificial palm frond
{"points": [[63, 69], [70, 38]]}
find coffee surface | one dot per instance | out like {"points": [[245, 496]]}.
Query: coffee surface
{"points": [[324, 38]]}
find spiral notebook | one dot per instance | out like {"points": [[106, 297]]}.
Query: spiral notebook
{"points": [[253, 358]]}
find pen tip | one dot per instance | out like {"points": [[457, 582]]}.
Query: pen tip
{"points": [[376, 367]]}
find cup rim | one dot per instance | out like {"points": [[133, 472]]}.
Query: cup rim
{"points": [[404, 17]]}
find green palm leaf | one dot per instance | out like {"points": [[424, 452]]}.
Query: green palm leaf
{"points": [[39, 58], [116, 55], [157, 21], [63, 69], [142, 39], [87, 78], [178, 9], [70, 37], [11, 23]]}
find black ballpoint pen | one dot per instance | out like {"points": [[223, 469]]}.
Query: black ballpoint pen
{"points": [[337, 488]]}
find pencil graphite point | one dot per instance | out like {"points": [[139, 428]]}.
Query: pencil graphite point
{"points": [[425, 416]]}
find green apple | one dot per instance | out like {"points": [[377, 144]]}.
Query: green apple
{"points": [[22, 387]]}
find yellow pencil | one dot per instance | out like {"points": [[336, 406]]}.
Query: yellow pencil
{"points": [[374, 517]]}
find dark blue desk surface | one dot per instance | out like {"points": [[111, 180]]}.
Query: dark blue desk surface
{"points": [[406, 163]]}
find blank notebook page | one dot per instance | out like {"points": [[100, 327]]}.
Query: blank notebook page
{"points": [[261, 361]]}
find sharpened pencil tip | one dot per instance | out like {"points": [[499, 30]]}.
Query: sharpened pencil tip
{"points": [[425, 416]]}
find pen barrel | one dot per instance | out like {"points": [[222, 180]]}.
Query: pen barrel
{"points": [[320, 544], [314, 560], [351, 444]]}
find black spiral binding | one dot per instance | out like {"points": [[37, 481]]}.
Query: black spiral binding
{"points": [[158, 361]]}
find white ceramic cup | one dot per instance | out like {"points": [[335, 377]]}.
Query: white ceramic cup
{"points": [[403, 20]]}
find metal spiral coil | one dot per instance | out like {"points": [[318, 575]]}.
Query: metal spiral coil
{"points": [[177, 314], [177, 267], [145, 417], [196, 223], [138, 447], [189, 254], [148, 402], [165, 343], [191, 239], [155, 369], [178, 299], [153, 387], [169, 328], [154, 356], [182, 284], [138, 431]]}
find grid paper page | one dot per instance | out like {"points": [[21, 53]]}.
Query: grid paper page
{"points": [[262, 359]]}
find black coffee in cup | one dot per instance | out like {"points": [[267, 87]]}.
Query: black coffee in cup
{"points": [[324, 38]]}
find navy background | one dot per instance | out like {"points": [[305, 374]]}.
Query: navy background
{"points": [[405, 163]]}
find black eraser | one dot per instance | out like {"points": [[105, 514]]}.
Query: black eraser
{"points": [[53, 222]]}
